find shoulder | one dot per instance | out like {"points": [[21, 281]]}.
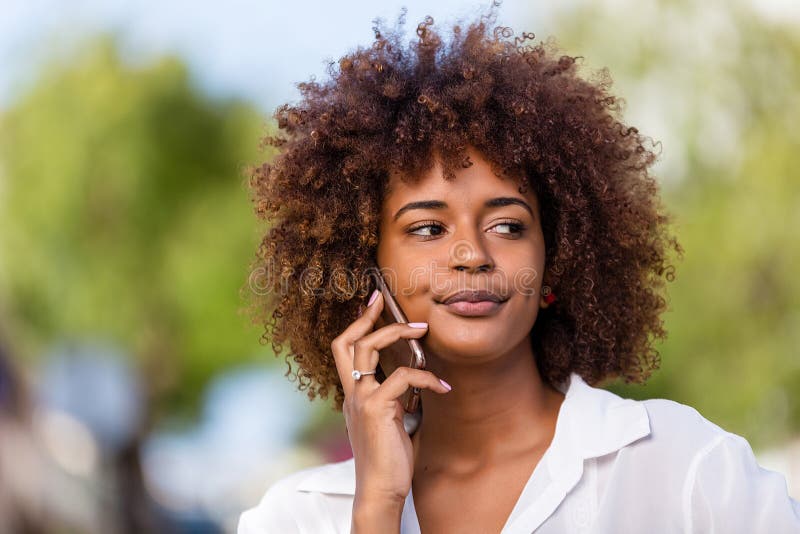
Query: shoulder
{"points": [[726, 490], [678, 436], [283, 507], [680, 425], [721, 485]]}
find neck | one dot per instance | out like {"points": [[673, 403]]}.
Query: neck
{"points": [[495, 411]]}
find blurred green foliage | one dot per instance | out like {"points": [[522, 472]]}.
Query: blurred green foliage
{"points": [[724, 81], [125, 215]]}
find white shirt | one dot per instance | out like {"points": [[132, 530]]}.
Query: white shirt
{"points": [[615, 465]]}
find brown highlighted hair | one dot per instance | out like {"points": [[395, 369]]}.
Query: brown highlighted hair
{"points": [[527, 110]]}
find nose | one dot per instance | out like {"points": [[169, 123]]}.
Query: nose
{"points": [[469, 253]]}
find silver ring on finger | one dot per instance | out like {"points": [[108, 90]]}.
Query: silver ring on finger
{"points": [[358, 374]]}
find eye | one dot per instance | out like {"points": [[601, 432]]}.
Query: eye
{"points": [[436, 228], [515, 228]]}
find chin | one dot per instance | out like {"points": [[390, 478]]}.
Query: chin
{"points": [[456, 338], [465, 344]]}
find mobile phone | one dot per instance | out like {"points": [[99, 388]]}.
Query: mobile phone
{"points": [[417, 360]]}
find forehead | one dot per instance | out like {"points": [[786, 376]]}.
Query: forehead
{"points": [[474, 183]]}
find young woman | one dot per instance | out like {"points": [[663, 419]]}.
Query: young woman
{"points": [[513, 217]]}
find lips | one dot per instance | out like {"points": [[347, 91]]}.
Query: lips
{"points": [[474, 309], [473, 296]]}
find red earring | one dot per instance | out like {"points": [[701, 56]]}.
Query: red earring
{"points": [[547, 293]]}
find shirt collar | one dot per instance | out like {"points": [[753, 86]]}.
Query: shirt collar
{"points": [[591, 422]]}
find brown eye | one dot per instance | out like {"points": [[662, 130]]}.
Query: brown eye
{"points": [[514, 228], [435, 229]]}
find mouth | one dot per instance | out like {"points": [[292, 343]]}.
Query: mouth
{"points": [[474, 309], [473, 303]]}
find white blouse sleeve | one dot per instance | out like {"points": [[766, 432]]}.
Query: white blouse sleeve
{"points": [[728, 491], [272, 515]]}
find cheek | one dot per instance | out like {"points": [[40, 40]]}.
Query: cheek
{"points": [[524, 272], [408, 277]]}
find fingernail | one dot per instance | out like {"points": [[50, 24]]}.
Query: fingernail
{"points": [[372, 298], [445, 384], [418, 325]]}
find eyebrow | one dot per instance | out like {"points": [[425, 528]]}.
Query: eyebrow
{"points": [[438, 205]]}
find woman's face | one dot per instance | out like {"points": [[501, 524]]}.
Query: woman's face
{"points": [[474, 233]]}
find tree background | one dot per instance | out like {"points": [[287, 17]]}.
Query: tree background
{"points": [[126, 217]]}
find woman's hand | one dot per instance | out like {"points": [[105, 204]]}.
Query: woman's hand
{"points": [[382, 450]]}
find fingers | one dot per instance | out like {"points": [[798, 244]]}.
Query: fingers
{"points": [[366, 355], [365, 322], [342, 345], [405, 377]]}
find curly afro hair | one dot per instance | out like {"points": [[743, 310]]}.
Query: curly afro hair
{"points": [[529, 113]]}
